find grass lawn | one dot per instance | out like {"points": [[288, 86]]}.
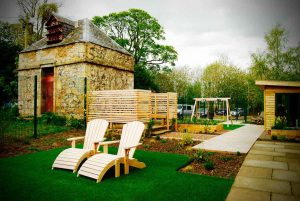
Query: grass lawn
{"points": [[231, 126], [30, 177]]}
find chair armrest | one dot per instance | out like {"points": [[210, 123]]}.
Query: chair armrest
{"points": [[96, 145], [73, 139], [109, 142], [133, 146]]}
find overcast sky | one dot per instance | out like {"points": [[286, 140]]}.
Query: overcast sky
{"points": [[200, 30]]}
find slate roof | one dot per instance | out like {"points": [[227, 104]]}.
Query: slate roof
{"points": [[85, 32]]}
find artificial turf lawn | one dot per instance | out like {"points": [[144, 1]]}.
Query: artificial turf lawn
{"points": [[231, 126], [30, 177]]}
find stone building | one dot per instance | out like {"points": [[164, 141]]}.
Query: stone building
{"points": [[68, 53]]}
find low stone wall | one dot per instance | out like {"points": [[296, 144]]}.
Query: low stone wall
{"points": [[287, 133], [197, 128]]}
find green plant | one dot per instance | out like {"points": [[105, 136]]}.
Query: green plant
{"points": [[146, 146], [150, 127], [113, 134], [173, 122], [157, 137], [209, 165], [187, 139], [52, 118], [200, 156], [274, 137], [238, 153], [282, 137], [75, 123], [226, 158], [280, 122], [163, 141]]}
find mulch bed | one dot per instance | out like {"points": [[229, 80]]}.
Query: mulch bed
{"points": [[226, 165], [225, 169]]}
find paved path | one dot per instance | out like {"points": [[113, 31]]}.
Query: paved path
{"points": [[240, 139], [270, 172]]}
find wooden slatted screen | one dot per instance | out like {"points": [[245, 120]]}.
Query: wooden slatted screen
{"points": [[119, 106], [164, 104]]}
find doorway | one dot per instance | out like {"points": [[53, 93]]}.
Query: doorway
{"points": [[47, 89]]}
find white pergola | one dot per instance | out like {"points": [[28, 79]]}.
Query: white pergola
{"points": [[198, 100]]}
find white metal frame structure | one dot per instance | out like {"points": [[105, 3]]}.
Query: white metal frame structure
{"points": [[226, 100]]}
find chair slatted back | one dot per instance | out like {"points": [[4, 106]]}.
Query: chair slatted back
{"points": [[131, 136], [95, 132]]}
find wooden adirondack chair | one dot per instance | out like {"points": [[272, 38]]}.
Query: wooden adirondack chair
{"points": [[71, 158], [96, 166]]}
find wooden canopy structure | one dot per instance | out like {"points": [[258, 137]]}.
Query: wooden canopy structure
{"points": [[198, 100]]}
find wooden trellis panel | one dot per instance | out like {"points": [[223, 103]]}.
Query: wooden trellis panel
{"points": [[119, 106], [164, 104]]}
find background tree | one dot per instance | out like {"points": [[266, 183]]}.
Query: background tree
{"points": [[277, 62], [8, 59], [34, 14], [140, 34]]}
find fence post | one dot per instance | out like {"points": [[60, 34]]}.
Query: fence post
{"points": [[84, 102], [35, 108], [168, 123]]}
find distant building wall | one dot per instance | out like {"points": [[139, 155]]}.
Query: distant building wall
{"points": [[103, 67]]}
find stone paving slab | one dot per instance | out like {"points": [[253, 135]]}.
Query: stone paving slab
{"points": [[268, 185], [288, 151], [243, 194], [275, 173], [259, 157], [268, 145], [240, 139], [296, 188], [267, 153], [285, 175], [255, 172], [280, 197], [266, 164]]}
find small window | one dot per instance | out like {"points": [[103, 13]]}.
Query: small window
{"points": [[189, 107]]}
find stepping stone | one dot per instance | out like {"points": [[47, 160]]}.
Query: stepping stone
{"points": [[262, 148], [284, 159], [266, 164], [294, 167], [255, 172], [264, 142], [269, 145], [287, 150], [281, 197], [285, 175], [291, 147], [293, 155], [267, 153], [259, 157], [242, 194], [282, 187], [296, 188]]}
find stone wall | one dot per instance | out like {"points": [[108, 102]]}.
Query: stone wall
{"points": [[26, 91], [105, 69], [56, 56], [107, 57], [105, 78]]}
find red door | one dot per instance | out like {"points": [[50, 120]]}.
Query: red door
{"points": [[47, 90]]}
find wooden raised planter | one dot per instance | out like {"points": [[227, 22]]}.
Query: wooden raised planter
{"points": [[198, 128], [287, 133]]}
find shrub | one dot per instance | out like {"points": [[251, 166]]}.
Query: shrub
{"points": [[187, 139], [157, 137], [146, 146], [209, 165], [75, 123], [150, 127], [284, 138], [52, 118], [226, 158], [200, 156], [274, 137], [238, 153], [163, 141], [112, 134], [280, 122]]}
